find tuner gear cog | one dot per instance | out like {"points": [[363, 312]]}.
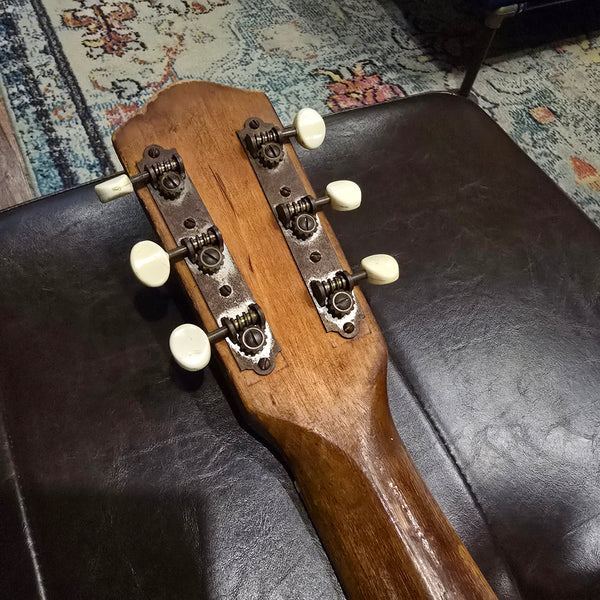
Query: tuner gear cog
{"points": [[270, 155]]}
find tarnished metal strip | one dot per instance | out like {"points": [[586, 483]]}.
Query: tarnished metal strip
{"points": [[225, 292], [315, 257]]}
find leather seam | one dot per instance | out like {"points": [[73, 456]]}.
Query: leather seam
{"points": [[35, 565]]}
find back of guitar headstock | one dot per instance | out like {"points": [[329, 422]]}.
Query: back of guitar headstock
{"points": [[201, 121], [315, 383]]}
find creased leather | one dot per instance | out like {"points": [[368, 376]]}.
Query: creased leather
{"points": [[138, 482]]}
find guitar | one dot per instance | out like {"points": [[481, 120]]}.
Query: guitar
{"points": [[247, 237]]}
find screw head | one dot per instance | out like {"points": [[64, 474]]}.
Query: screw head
{"points": [[210, 259], [170, 185], [171, 180], [225, 290], [304, 221], [340, 303], [154, 152], [252, 339], [211, 256], [348, 328], [253, 124], [304, 225], [344, 302], [315, 256], [270, 155], [272, 151], [285, 191], [264, 364], [189, 223]]}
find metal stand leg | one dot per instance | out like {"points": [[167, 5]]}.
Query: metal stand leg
{"points": [[492, 24], [487, 38]]}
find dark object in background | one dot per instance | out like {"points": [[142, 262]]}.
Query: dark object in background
{"points": [[496, 11]]}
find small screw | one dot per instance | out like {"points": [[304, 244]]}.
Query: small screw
{"points": [[210, 259], [225, 290], [154, 151], [254, 124], [253, 337], [272, 151], [315, 256], [304, 222], [211, 256], [348, 327], [171, 181], [285, 191], [189, 223], [344, 302], [264, 364]]}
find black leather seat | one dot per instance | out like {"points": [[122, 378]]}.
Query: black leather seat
{"points": [[124, 477]]}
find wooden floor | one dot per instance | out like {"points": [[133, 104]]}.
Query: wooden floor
{"points": [[14, 186]]}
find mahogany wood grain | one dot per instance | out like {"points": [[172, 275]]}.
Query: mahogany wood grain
{"points": [[325, 405]]}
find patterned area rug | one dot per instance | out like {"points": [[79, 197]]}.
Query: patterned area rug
{"points": [[73, 70]]}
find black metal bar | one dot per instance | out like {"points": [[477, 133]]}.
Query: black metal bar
{"points": [[534, 6], [487, 38], [492, 23], [355, 278], [217, 335], [177, 253]]}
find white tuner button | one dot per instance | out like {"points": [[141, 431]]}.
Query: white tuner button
{"points": [[380, 268], [114, 188], [190, 347], [310, 128], [344, 195], [150, 263]]}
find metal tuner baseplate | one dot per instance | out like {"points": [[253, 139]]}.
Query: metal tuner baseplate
{"points": [[268, 153], [202, 247]]}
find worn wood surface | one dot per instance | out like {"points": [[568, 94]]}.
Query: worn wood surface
{"points": [[325, 405], [14, 185]]}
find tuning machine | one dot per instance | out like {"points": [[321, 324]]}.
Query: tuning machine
{"points": [[191, 346], [152, 265], [299, 215], [264, 142], [335, 292], [166, 175]]}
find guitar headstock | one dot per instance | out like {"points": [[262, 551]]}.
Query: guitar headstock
{"points": [[247, 235]]}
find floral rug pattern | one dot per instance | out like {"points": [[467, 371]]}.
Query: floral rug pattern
{"points": [[73, 70]]}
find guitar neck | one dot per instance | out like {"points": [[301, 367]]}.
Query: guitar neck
{"points": [[383, 531], [324, 405]]}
